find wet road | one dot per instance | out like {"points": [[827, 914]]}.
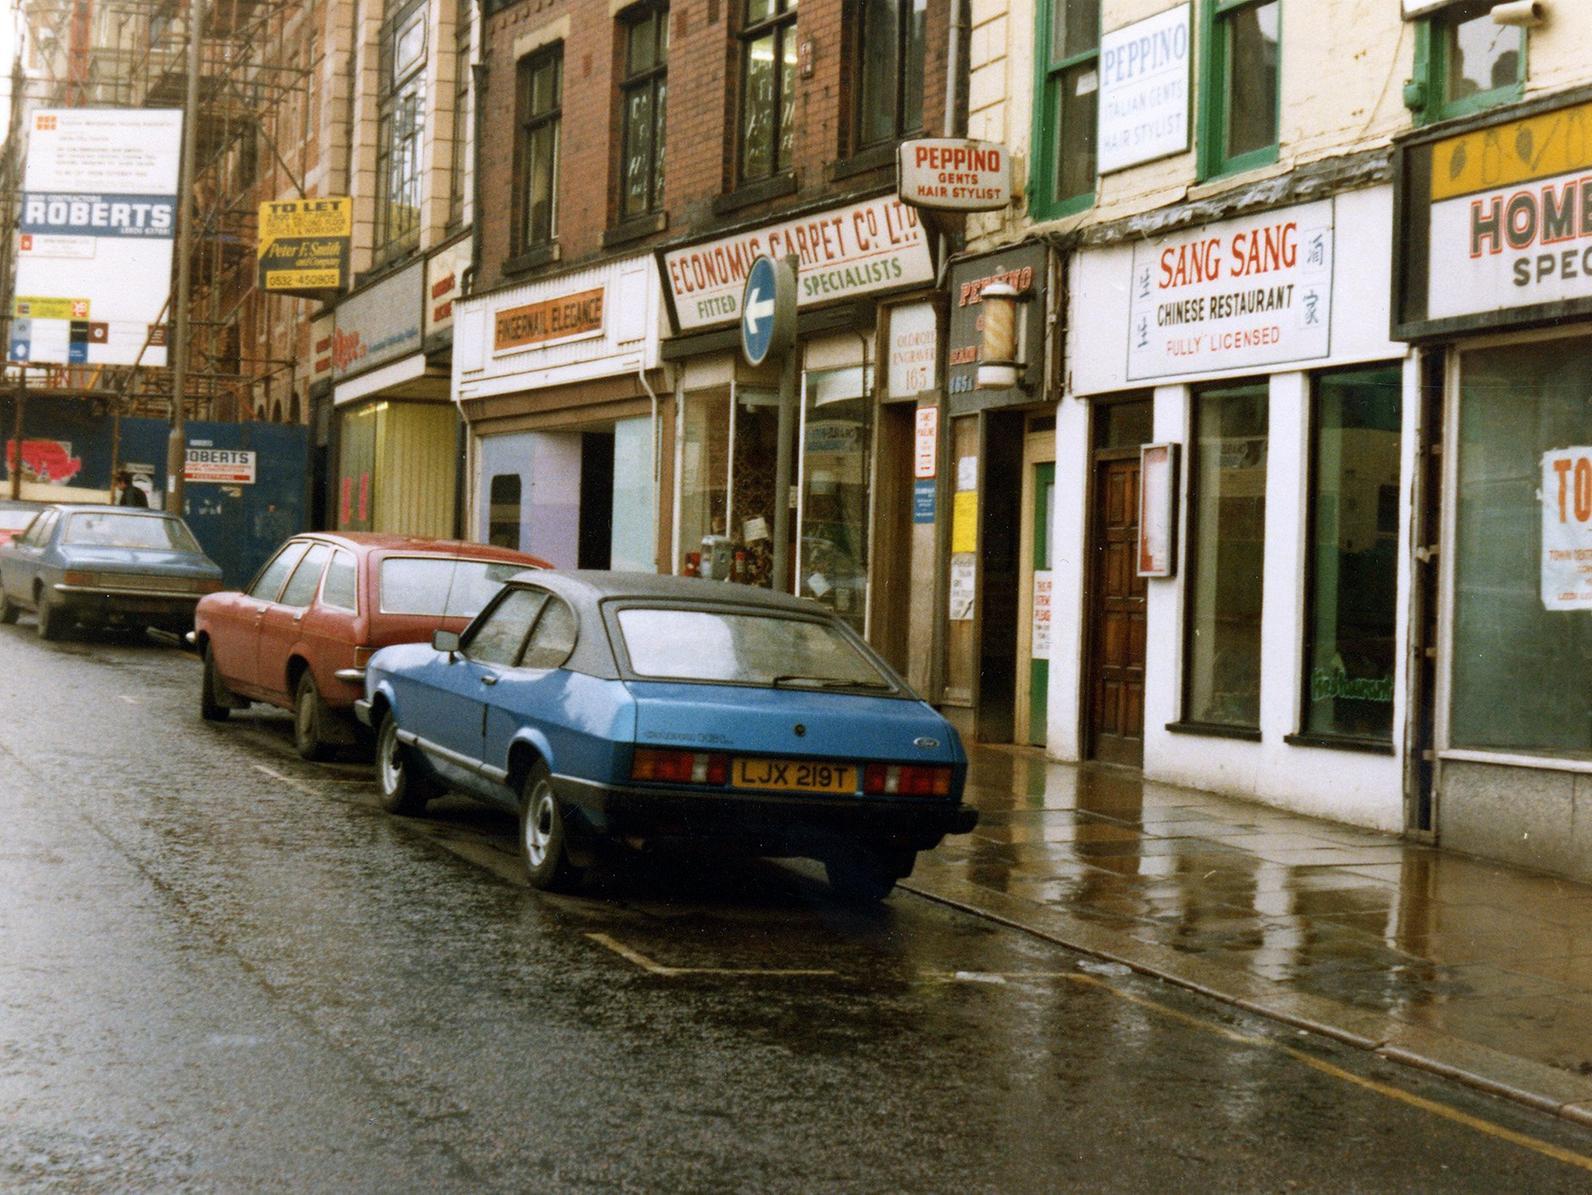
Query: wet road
{"points": [[225, 969]]}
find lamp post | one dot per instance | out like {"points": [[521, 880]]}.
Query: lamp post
{"points": [[177, 442]]}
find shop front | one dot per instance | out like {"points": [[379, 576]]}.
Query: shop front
{"points": [[397, 439], [1494, 219], [868, 345], [569, 417], [1235, 461]]}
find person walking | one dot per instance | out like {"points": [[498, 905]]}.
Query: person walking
{"points": [[131, 494]]}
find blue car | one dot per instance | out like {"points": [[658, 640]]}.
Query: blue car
{"points": [[621, 707], [105, 566]]}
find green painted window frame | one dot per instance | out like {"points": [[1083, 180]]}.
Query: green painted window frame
{"points": [[1043, 202], [1431, 70], [1212, 160]]}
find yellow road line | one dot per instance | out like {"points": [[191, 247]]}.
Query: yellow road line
{"points": [[656, 968], [1547, 1149]]}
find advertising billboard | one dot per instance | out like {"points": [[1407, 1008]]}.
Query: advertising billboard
{"points": [[97, 221]]}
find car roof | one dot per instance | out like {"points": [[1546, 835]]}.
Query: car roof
{"points": [[595, 585], [110, 508], [377, 541]]}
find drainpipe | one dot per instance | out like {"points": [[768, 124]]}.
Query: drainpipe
{"points": [[657, 458]]}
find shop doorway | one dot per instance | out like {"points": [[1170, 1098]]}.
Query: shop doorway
{"points": [[1001, 583], [1033, 623], [1114, 729]]}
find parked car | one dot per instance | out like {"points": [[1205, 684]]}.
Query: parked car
{"points": [[299, 636], [15, 515], [623, 706], [105, 566]]}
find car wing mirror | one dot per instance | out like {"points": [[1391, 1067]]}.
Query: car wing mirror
{"points": [[447, 641]]}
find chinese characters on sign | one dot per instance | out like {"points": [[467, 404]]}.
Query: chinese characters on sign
{"points": [[1234, 295], [1567, 528]]}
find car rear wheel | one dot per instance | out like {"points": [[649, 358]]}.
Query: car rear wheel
{"points": [[866, 874], [8, 609], [543, 842], [51, 623], [211, 707], [309, 720], [403, 790]]}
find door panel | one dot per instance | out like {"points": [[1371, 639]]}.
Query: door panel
{"points": [[1117, 618]]}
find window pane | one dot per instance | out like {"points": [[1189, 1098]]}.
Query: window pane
{"points": [[879, 71], [1251, 82], [641, 46], [540, 194], [760, 10], [787, 99], [1519, 668], [498, 639], [746, 648], [1078, 93], [704, 469], [306, 577], [342, 579], [553, 639], [438, 586], [758, 112], [834, 531], [1354, 554], [660, 123], [503, 512], [637, 179], [1226, 557], [912, 80], [1478, 55], [1074, 27], [270, 581], [113, 530]]}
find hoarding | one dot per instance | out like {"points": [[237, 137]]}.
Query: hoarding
{"points": [[95, 230], [303, 245]]}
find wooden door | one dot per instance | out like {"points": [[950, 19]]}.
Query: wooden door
{"points": [[1117, 605]]}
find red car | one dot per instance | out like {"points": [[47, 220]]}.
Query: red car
{"points": [[299, 636]]}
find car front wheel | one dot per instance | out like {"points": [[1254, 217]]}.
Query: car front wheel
{"points": [[543, 842], [403, 791], [309, 720]]}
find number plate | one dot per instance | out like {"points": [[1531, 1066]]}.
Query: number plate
{"points": [[794, 776]]}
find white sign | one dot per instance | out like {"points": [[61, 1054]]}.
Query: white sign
{"points": [[951, 174], [1156, 548], [224, 466], [913, 364], [1234, 295], [844, 252], [926, 448], [1039, 648], [1144, 89], [1567, 528], [964, 572], [98, 208]]}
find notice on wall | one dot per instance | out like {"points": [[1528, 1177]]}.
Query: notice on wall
{"points": [[926, 443], [1567, 528], [1234, 295], [964, 521], [964, 572], [1039, 648], [1144, 90], [923, 500], [914, 361], [221, 466]]}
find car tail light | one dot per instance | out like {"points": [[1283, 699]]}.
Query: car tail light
{"points": [[679, 767], [72, 577], [362, 656], [906, 780]]}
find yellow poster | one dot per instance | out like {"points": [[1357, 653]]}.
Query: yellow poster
{"points": [[304, 243], [964, 521]]}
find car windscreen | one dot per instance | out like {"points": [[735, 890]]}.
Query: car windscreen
{"points": [[113, 530], [738, 647], [439, 587], [15, 518]]}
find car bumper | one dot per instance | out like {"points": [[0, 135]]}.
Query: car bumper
{"points": [[125, 605], [773, 822], [362, 712]]}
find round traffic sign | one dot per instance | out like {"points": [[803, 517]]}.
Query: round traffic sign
{"points": [[768, 310]]}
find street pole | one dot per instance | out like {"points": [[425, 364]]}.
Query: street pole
{"points": [[15, 462], [788, 371], [177, 442]]}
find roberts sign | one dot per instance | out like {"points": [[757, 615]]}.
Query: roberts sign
{"points": [[948, 174]]}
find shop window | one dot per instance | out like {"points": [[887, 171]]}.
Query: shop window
{"points": [[642, 97], [704, 469], [837, 428], [1065, 119], [401, 112], [1227, 503], [888, 98], [458, 169], [1354, 507], [503, 512], [1464, 62], [1522, 626], [768, 88], [539, 105], [755, 458], [1239, 85]]}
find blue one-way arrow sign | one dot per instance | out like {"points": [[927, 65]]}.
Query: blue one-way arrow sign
{"points": [[768, 310]]}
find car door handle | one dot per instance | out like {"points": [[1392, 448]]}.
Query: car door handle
{"points": [[488, 679], [299, 617]]}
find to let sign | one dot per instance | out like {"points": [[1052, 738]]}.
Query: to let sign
{"points": [[1567, 528], [1234, 295], [951, 174], [566, 317]]}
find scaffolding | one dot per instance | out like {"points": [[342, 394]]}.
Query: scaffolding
{"points": [[258, 61]]}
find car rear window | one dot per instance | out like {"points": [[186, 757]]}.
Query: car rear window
{"points": [[15, 520], [743, 648], [112, 530], [440, 587]]}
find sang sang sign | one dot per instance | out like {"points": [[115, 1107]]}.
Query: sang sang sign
{"points": [[1233, 295], [954, 175], [563, 318]]}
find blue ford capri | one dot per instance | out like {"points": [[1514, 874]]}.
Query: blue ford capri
{"points": [[626, 708]]}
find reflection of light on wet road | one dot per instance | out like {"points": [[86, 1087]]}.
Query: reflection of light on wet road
{"points": [[656, 968]]}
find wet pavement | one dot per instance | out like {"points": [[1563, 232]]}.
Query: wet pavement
{"points": [[224, 969], [1481, 968]]}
